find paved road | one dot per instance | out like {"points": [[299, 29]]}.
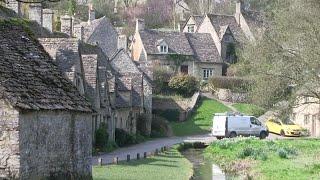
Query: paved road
{"points": [[149, 146]]}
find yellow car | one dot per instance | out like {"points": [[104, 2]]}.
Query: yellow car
{"points": [[284, 128]]}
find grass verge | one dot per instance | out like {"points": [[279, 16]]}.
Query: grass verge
{"points": [[200, 121], [263, 159], [170, 165], [249, 109]]}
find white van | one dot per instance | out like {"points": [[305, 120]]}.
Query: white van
{"points": [[232, 125]]}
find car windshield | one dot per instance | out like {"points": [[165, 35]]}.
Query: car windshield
{"points": [[288, 122]]}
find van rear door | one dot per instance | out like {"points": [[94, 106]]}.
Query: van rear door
{"points": [[219, 126]]}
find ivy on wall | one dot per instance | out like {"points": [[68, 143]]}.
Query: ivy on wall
{"points": [[178, 59]]}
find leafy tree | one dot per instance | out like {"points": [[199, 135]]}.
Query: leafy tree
{"points": [[72, 4], [287, 55]]}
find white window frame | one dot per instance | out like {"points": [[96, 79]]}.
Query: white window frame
{"points": [[207, 73], [163, 49]]}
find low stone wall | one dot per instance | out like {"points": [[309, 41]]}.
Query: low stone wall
{"points": [[229, 96], [184, 106]]}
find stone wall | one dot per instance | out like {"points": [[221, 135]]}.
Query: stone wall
{"points": [[229, 96], [9, 141], [55, 144]]}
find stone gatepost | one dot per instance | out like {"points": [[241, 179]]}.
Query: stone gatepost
{"points": [[14, 5], [48, 19], [35, 13], [66, 25]]}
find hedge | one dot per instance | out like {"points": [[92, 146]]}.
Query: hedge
{"points": [[235, 84]]}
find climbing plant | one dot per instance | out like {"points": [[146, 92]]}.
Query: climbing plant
{"points": [[178, 59]]}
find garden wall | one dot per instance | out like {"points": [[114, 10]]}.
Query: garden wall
{"points": [[229, 96]]}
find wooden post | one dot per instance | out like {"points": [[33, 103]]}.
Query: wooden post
{"points": [[100, 161], [157, 152], [145, 155], [115, 160], [138, 156], [128, 157]]}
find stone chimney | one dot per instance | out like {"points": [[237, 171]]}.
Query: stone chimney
{"points": [[66, 25], [122, 42], [140, 25], [35, 13], [239, 8], [78, 31], [14, 5], [92, 13], [48, 19]]}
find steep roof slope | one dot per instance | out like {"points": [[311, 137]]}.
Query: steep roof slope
{"points": [[29, 79]]}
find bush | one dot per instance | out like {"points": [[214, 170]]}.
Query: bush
{"points": [[246, 152], [141, 125], [123, 138], [235, 84], [160, 127], [101, 136], [283, 153], [161, 80], [184, 85]]}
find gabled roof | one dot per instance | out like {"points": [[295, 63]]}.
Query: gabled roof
{"points": [[203, 47], [177, 42], [29, 79], [197, 18], [101, 31], [220, 21], [198, 45]]}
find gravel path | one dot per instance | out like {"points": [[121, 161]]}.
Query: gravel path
{"points": [[149, 146]]}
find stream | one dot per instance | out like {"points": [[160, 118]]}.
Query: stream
{"points": [[204, 169]]}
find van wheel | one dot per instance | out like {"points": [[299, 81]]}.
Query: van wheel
{"points": [[233, 135], [282, 133], [263, 135], [219, 138]]}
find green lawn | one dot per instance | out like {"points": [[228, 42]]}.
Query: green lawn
{"points": [[249, 109], [201, 121], [263, 159], [167, 166]]}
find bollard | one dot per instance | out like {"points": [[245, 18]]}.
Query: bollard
{"points": [[157, 152], [138, 156], [115, 160], [100, 161], [128, 157], [165, 148], [145, 155]]}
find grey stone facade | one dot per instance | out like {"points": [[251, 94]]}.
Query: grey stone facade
{"points": [[66, 25], [14, 5], [35, 13]]}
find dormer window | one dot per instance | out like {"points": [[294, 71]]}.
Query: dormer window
{"points": [[191, 28], [164, 49]]}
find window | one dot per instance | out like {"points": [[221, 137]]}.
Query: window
{"points": [[191, 28], [306, 119], [164, 49], [306, 99], [184, 69], [207, 73]]}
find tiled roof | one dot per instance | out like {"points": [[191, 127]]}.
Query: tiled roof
{"points": [[198, 45], [203, 47], [220, 21], [177, 42], [29, 79]]}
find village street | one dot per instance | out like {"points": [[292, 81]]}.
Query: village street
{"points": [[151, 146]]}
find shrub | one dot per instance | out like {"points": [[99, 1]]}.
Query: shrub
{"points": [[161, 80], [101, 136], [246, 152], [235, 84], [141, 125], [160, 127], [184, 85], [123, 138]]}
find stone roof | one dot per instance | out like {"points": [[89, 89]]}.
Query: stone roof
{"points": [[221, 21], [177, 42], [204, 48], [198, 45], [29, 79], [101, 31]]}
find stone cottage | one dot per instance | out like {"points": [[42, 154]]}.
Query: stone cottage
{"points": [[188, 53], [227, 31], [306, 114], [45, 123]]}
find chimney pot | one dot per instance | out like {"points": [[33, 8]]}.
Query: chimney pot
{"points": [[140, 25]]}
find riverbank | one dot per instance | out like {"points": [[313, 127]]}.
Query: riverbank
{"points": [[268, 159], [170, 165]]}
